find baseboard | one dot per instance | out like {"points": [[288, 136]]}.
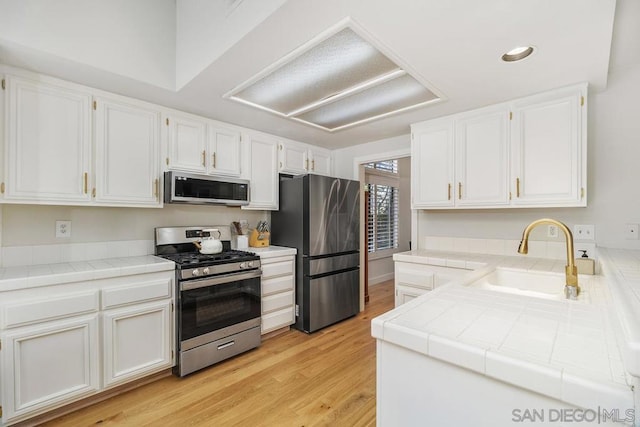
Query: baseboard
{"points": [[380, 279]]}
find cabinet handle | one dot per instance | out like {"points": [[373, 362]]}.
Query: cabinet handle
{"points": [[517, 187], [93, 192], [204, 158], [449, 192], [459, 190], [313, 165], [86, 182], [306, 164], [213, 157], [155, 188]]}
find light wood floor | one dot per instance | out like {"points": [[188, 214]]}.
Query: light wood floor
{"points": [[293, 379]]}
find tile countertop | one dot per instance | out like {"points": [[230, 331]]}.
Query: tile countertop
{"points": [[272, 251], [23, 277], [32, 276], [563, 349]]}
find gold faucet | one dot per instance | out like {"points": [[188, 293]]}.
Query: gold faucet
{"points": [[571, 289]]}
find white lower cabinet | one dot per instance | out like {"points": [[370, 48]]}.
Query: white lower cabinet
{"points": [[415, 279], [278, 294], [136, 341], [69, 341], [48, 365]]}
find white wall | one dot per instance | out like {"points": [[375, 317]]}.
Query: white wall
{"points": [[103, 34], [343, 159], [205, 29], [27, 225]]}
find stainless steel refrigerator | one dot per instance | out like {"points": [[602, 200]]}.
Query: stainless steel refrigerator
{"points": [[320, 216]]}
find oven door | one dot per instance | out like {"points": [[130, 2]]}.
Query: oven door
{"points": [[211, 308]]}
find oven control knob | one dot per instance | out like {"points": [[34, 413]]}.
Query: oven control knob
{"points": [[205, 270], [250, 264], [243, 265], [195, 272]]}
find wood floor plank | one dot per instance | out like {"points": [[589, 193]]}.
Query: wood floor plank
{"points": [[292, 379]]}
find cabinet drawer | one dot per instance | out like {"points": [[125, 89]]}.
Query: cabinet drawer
{"points": [[277, 269], [277, 301], [278, 284], [25, 313], [277, 319], [415, 276], [147, 291]]}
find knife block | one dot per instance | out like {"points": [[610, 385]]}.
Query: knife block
{"points": [[254, 242]]}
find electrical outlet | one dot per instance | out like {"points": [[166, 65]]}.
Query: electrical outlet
{"points": [[584, 232], [552, 231], [631, 231], [63, 229]]}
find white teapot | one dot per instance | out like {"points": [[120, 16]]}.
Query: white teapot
{"points": [[209, 245]]}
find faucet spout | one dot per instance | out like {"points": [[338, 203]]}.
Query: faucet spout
{"points": [[571, 289]]}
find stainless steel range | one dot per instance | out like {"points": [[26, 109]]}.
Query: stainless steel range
{"points": [[218, 297]]}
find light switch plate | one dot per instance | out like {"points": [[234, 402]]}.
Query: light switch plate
{"points": [[63, 229]]}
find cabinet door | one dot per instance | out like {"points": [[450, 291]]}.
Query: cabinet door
{"points": [[127, 148], [49, 142], [405, 294], [320, 161], [186, 144], [48, 365], [482, 159], [293, 159], [137, 341], [432, 150], [549, 149], [264, 173], [223, 152]]}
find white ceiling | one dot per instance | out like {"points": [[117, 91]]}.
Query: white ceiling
{"points": [[454, 45]]}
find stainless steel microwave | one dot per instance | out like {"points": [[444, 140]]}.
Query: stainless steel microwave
{"points": [[181, 187]]}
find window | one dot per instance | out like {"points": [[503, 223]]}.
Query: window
{"points": [[382, 215]]}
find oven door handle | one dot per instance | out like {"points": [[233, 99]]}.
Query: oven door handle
{"points": [[219, 280]]}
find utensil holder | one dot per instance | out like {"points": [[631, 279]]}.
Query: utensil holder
{"points": [[254, 240]]}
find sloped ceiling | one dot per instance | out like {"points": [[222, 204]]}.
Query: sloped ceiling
{"points": [[168, 52]]}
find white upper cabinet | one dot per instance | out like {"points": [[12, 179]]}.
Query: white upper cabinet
{"points": [[127, 153], [529, 152], [48, 150], [482, 169], [549, 149], [263, 170], [67, 144], [298, 159], [186, 142], [292, 158], [319, 161], [432, 164], [199, 145], [223, 151]]}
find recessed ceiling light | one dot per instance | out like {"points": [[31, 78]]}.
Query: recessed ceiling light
{"points": [[517, 54], [336, 81]]}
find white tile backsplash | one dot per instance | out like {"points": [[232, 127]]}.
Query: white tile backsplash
{"points": [[537, 248], [15, 256]]}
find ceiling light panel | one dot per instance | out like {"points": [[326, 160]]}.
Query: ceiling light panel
{"points": [[401, 93], [333, 83]]}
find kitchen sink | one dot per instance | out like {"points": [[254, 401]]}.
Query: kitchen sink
{"points": [[538, 284]]}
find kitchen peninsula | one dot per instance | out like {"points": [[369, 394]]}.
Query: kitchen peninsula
{"points": [[501, 354]]}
